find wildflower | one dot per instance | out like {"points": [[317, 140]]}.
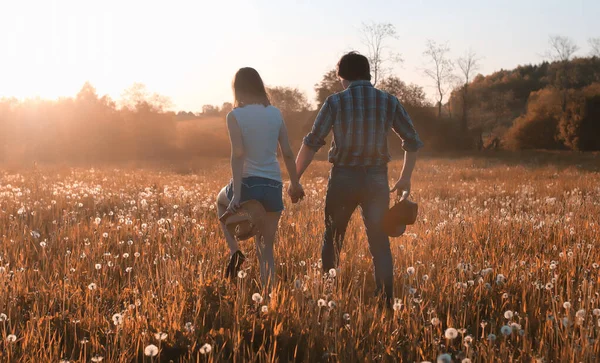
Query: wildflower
{"points": [[129, 269], [242, 274], [321, 303], [3, 317], [508, 314], [205, 349], [92, 286], [410, 270], [97, 220], [137, 254], [451, 333], [500, 279], [331, 304], [151, 350], [468, 340], [549, 286], [130, 242], [264, 309], [257, 298], [302, 263], [425, 278], [117, 319], [332, 273], [346, 316], [35, 234], [596, 312], [98, 266], [11, 338], [189, 327], [161, 336], [444, 358], [506, 330], [126, 255], [491, 337], [435, 321], [567, 305], [97, 359], [43, 244]]}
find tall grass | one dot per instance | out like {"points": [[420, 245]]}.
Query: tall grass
{"points": [[115, 264]]}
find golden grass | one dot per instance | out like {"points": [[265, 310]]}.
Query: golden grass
{"points": [[495, 245]]}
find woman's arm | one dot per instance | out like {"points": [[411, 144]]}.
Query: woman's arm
{"points": [[288, 158], [237, 159]]}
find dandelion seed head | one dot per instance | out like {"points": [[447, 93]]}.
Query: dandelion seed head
{"points": [[205, 349], [151, 350], [451, 333]]}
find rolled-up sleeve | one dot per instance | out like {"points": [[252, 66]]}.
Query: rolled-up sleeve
{"points": [[321, 128], [403, 126]]}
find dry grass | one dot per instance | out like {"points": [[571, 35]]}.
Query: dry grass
{"points": [[496, 245]]}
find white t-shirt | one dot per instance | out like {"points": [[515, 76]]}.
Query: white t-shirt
{"points": [[260, 128]]}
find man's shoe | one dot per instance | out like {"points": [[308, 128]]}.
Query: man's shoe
{"points": [[235, 264]]}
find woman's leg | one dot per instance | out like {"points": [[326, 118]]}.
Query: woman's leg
{"points": [[222, 204], [264, 248]]}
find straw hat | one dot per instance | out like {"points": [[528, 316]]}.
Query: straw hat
{"points": [[247, 221], [403, 213]]}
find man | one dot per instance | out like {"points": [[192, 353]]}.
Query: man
{"points": [[361, 117]]}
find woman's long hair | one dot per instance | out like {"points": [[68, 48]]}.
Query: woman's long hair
{"points": [[248, 88]]}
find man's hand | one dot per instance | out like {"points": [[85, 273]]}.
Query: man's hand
{"points": [[402, 185], [296, 192]]}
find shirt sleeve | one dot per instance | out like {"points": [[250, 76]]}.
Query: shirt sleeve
{"points": [[403, 126], [321, 128]]}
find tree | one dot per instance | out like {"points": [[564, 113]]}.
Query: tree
{"points": [[226, 108], [562, 50], [210, 110], [329, 85], [440, 69], [595, 47], [467, 65], [374, 37], [137, 97], [288, 99], [410, 95]]}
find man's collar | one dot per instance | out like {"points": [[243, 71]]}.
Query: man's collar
{"points": [[360, 83]]}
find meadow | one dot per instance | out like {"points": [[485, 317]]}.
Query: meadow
{"points": [[126, 265]]}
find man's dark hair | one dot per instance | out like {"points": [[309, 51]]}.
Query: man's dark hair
{"points": [[354, 66]]}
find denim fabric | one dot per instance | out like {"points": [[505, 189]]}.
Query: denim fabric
{"points": [[267, 191], [365, 187]]}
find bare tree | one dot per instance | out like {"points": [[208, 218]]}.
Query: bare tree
{"points": [[467, 65], [562, 50], [440, 69], [374, 37], [595, 47]]}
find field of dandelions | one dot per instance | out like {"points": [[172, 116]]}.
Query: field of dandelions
{"points": [[126, 265]]}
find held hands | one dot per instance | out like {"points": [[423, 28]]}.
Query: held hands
{"points": [[402, 185], [296, 192]]}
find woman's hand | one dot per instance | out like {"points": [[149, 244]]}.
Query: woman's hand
{"points": [[234, 205], [296, 192]]}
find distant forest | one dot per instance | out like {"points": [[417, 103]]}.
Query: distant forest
{"points": [[552, 105]]}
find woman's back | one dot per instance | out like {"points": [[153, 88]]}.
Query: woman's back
{"points": [[260, 128]]}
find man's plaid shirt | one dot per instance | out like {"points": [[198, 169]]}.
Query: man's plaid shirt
{"points": [[361, 118]]}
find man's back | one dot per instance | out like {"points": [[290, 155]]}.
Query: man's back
{"points": [[361, 117]]}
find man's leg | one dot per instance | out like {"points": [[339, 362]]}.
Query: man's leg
{"points": [[340, 203], [374, 205]]}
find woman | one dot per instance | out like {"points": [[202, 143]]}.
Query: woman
{"points": [[256, 129]]}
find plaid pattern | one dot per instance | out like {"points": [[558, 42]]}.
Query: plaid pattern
{"points": [[361, 117]]}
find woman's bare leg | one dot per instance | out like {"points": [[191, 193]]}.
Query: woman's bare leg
{"points": [[264, 248], [222, 204]]}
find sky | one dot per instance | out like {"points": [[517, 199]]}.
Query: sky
{"points": [[190, 50]]}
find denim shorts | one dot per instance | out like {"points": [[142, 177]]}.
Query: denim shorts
{"points": [[267, 191]]}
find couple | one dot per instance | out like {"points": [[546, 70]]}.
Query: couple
{"points": [[361, 117]]}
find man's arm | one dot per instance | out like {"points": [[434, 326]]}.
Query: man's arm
{"points": [[315, 139], [403, 126]]}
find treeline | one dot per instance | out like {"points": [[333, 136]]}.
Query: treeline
{"points": [[553, 105]]}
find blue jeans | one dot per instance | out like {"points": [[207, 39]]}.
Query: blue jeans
{"points": [[267, 191], [365, 187]]}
